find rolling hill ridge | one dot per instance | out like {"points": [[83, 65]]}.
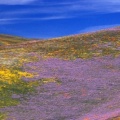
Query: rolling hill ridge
{"points": [[87, 45], [80, 72]]}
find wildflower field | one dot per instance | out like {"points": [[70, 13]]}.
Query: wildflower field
{"points": [[69, 78]]}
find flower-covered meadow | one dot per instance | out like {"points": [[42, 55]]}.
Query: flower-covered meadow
{"points": [[75, 73]]}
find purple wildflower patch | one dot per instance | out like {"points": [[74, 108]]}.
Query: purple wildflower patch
{"points": [[88, 90]]}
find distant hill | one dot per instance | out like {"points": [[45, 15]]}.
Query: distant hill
{"points": [[9, 39], [100, 43]]}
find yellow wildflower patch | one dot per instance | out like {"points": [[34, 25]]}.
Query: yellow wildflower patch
{"points": [[12, 76]]}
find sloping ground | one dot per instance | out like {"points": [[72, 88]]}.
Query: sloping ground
{"points": [[75, 77], [72, 47], [83, 90], [8, 39]]}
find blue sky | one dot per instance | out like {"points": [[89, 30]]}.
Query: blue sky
{"points": [[56, 18]]}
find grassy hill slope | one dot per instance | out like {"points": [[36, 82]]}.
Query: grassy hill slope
{"points": [[8, 39], [77, 46], [87, 45]]}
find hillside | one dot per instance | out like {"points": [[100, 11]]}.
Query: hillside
{"points": [[76, 46], [74, 77], [9, 39]]}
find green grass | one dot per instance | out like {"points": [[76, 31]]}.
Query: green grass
{"points": [[6, 93], [3, 116]]}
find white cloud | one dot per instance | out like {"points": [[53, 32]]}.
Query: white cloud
{"points": [[54, 10], [104, 6], [8, 21], [15, 2], [16, 20]]}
